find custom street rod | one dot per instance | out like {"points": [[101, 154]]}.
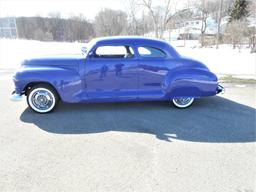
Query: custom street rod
{"points": [[115, 69]]}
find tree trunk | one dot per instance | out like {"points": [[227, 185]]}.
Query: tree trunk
{"points": [[219, 21], [203, 27]]}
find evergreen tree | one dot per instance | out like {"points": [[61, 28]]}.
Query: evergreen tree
{"points": [[239, 10]]}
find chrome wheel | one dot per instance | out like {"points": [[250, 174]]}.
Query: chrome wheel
{"points": [[41, 100], [183, 102]]}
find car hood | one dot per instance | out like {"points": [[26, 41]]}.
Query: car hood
{"points": [[54, 60]]}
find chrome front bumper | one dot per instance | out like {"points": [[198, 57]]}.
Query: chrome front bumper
{"points": [[15, 97], [220, 89]]}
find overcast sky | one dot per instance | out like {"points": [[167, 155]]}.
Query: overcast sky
{"points": [[88, 8]]}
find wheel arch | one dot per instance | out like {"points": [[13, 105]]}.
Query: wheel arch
{"points": [[31, 84]]}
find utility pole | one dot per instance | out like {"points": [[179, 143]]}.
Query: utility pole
{"points": [[219, 21]]}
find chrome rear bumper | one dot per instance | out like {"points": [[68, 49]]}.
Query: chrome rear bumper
{"points": [[15, 97], [220, 89]]}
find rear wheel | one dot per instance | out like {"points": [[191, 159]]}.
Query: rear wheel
{"points": [[42, 98], [183, 102]]}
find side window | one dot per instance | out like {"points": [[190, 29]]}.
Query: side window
{"points": [[114, 52], [151, 52]]}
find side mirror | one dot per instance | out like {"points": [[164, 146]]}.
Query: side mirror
{"points": [[90, 54], [84, 50]]}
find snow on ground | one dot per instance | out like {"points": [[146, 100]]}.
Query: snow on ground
{"points": [[222, 61], [225, 60], [13, 52]]}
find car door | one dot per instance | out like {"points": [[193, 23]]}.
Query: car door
{"points": [[111, 73], [152, 71]]}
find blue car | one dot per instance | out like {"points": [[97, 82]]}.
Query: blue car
{"points": [[115, 69]]}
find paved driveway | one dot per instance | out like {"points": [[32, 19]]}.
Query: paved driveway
{"points": [[148, 146]]}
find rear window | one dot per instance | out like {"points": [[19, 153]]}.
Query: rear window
{"points": [[151, 52]]}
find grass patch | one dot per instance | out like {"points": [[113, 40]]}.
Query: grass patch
{"points": [[231, 79]]}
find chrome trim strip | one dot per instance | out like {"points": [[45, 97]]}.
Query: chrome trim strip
{"points": [[220, 89], [15, 97]]}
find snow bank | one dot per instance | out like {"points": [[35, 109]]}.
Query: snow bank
{"points": [[223, 61], [13, 52]]}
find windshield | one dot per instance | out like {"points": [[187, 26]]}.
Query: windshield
{"points": [[87, 47]]}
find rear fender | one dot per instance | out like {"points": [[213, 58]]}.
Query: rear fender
{"points": [[190, 83]]}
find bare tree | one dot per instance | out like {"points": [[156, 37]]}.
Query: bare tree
{"points": [[55, 29], [161, 15], [219, 21], [206, 8], [217, 10], [54, 14], [110, 22], [133, 21], [226, 6], [236, 31], [203, 19], [252, 29], [56, 26]]}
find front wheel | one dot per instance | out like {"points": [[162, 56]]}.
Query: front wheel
{"points": [[183, 102], [42, 98]]}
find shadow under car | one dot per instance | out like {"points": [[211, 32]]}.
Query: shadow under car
{"points": [[213, 119]]}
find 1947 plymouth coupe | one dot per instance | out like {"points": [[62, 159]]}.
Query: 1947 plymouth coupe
{"points": [[115, 69]]}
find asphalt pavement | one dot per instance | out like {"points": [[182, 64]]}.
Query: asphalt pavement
{"points": [[145, 146]]}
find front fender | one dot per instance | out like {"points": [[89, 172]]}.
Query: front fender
{"points": [[67, 82]]}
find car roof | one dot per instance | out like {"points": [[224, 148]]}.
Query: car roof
{"points": [[135, 40], [129, 39]]}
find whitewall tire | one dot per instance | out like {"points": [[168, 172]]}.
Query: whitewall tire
{"points": [[42, 98], [183, 102]]}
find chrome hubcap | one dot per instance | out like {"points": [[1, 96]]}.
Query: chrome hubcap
{"points": [[182, 101], [42, 100]]}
